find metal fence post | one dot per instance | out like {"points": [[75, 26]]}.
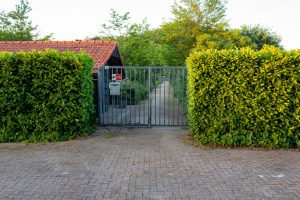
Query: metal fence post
{"points": [[149, 95], [100, 102]]}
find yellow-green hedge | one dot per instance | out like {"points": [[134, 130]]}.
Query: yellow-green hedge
{"points": [[245, 97], [45, 96]]}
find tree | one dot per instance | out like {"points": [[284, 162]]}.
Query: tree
{"points": [[228, 39], [137, 43], [173, 41], [191, 19], [16, 25], [117, 25], [205, 14], [142, 49], [261, 36]]}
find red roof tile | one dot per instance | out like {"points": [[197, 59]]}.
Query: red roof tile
{"points": [[99, 50]]}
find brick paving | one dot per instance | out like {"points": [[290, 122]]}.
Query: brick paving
{"points": [[145, 164]]}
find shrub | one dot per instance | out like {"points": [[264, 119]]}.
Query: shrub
{"points": [[45, 96], [245, 97], [179, 85], [134, 91], [135, 88]]}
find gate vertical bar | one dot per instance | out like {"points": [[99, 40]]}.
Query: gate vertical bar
{"points": [[182, 119], [107, 93], [173, 95], [100, 109], [121, 98], [169, 96], [135, 107], [155, 97], [145, 97], [149, 96], [178, 98], [130, 82], [164, 97], [140, 81], [112, 98], [160, 97]]}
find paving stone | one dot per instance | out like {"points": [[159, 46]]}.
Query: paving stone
{"points": [[145, 164]]}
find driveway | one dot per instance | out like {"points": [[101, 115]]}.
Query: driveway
{"points": [[145, 164]]}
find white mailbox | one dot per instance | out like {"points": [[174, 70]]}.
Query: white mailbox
{"points": [[114, 88]]}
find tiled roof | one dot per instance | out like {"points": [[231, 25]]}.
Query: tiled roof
{"points": [[99, 50]]}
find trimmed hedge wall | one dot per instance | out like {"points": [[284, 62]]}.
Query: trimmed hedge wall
{"points": [[245, 97], [45, 96]]}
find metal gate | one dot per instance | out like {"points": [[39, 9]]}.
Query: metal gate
{"points": [[142, 96]]}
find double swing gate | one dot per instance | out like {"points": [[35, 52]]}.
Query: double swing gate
{"points": [[142, 96]]}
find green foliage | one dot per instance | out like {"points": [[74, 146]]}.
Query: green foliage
{"points": [[261, 36], [138, 45], [191, 19], [179, 85], [141, 49], [45, 96], [204, 14], [197, 25], [135, 86], [134, 91], [245, 97], [117, 25], [228, 39], [172, 42], [16, 26]]}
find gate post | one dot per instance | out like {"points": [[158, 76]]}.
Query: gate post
{"points": [[100, 83], [149, 94]]}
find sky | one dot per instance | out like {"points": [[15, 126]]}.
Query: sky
{"points": [[78, 19]]}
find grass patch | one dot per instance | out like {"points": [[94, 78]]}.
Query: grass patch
{"points": [[106, 135]]}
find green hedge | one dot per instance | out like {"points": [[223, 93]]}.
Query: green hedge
{"points": [[244, 97], [45, 96]]}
